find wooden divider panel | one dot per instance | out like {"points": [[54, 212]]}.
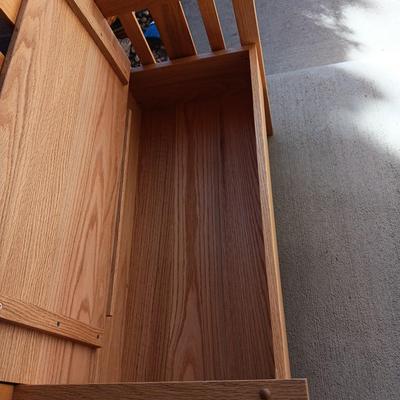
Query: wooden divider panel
{"points": [[62, 116]]}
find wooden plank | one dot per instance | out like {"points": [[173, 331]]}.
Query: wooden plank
{"points": [[33, 317], [281, 354], [135, 34], [6, 391], [98, 28], [174, 30], [62, 125], [118, 7], [10, 8], [212, 24], [109, 366], [212, 74], [225, 390], [247, 23]]}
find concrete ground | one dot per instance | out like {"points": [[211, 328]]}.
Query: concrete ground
{"points": [[334, 73]]}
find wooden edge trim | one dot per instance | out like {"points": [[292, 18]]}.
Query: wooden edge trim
{"points": [[98, 28], [295, 389], [190, 59], [247, 23], [212, 24], [278, 326], [118, 239], [10, 9], [135, 35], [34, 317], [6, 391]]}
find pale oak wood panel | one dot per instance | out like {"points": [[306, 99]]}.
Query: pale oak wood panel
{"points": [[198, 298], [135, 34], [98, 28], [62, 127], [225, 390], [212, 24], [10, 8], [247, 23], [31, 316], [109, 366], [281, 353], [6, 391], [174, 30]]}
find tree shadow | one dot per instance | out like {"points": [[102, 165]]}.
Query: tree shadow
{"points": [[335, 161]]}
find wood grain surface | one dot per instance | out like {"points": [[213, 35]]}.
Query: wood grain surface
{"points": [[100, 31], [212, 24], [205, 75], [6, 391], [109, 366], [198, 299], [10, 8], [228, 390], [33, 317], [279, 338], [61, 134], [173, 27], [249, 33]]}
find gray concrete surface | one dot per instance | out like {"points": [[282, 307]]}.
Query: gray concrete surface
{"points": [[334, 79]]}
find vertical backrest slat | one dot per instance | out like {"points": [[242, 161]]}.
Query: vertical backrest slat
{"points": [[10, 9], [247, 23], [211, 22], [135, 34], [174, 30]]}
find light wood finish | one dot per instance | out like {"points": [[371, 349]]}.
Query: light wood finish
{"points": [[6, 391], [33, 317], [211, 23], [109, 366], [98, 28], [247, 23], [233, 390], [174, 30], [281, 354], [61, 138], [198, 299], [1, 59], [10, 8], [193, 77], [135, 34]]}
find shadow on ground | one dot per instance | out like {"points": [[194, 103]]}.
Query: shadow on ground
{"points": [[335, 161]]}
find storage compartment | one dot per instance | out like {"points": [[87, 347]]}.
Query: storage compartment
{"points": [[136, 214], [197, 305]]}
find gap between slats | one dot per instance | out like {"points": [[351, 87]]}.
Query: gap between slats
{"points": [[135, 35]]}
